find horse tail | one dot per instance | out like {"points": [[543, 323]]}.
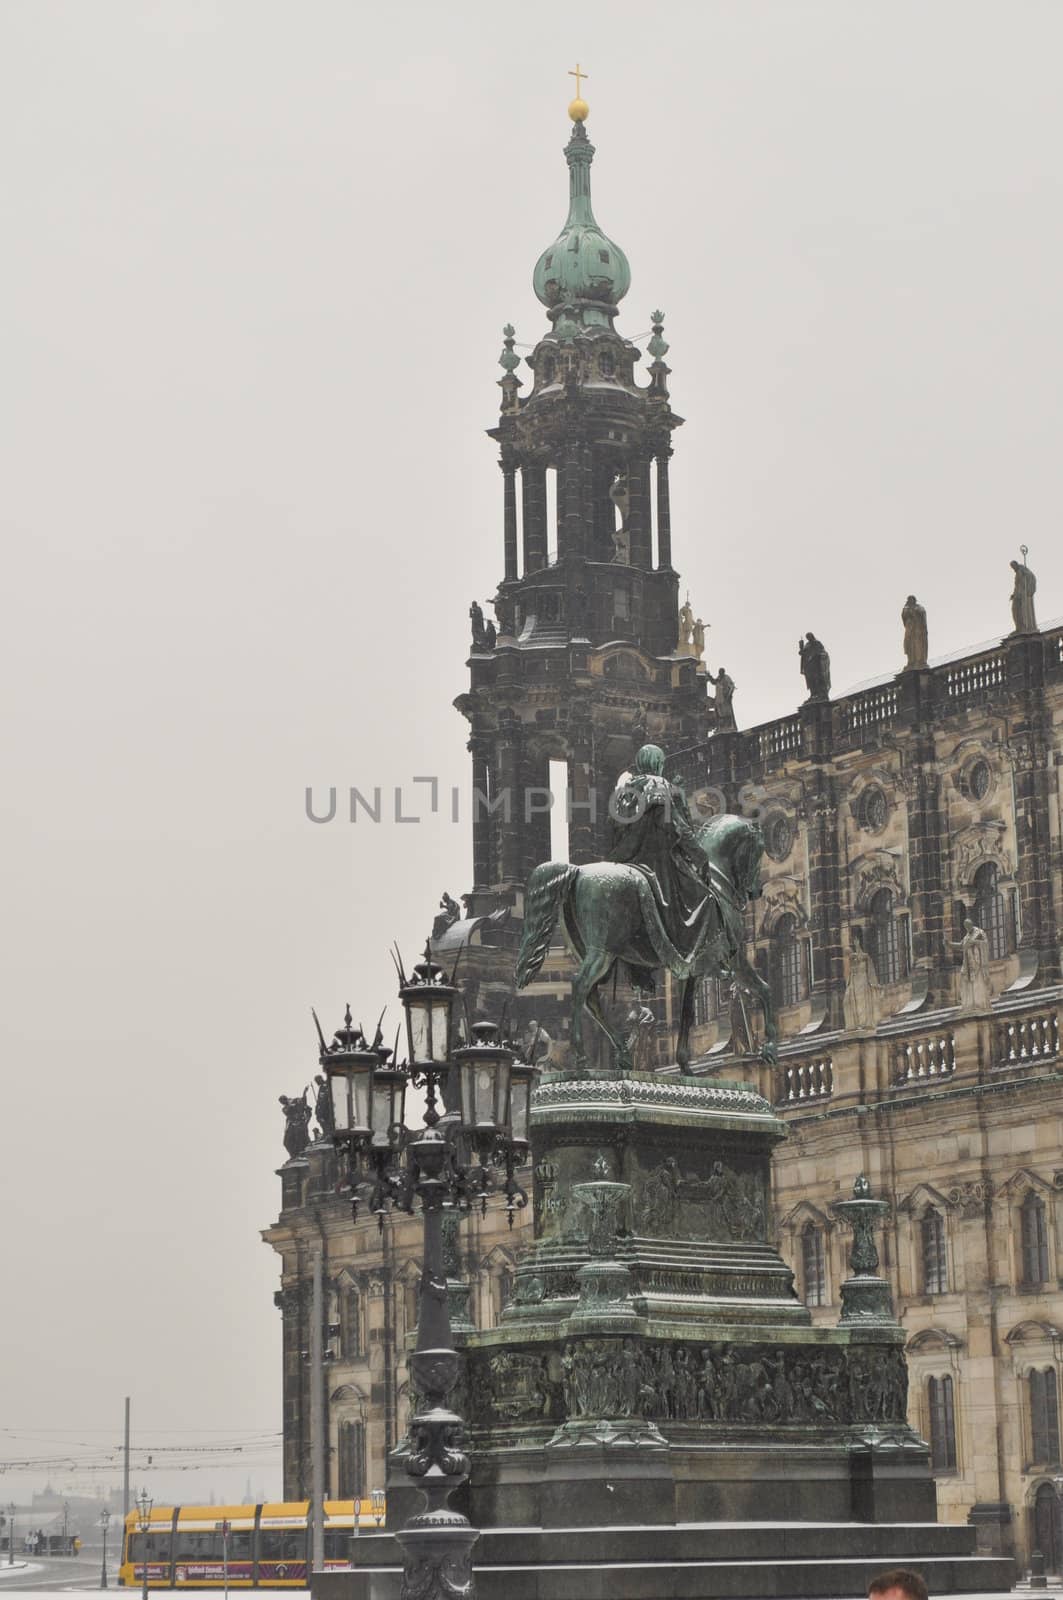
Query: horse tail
{"points": [[546, 888]]}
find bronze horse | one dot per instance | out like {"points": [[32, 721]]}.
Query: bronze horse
{"points": [[609, 914]]}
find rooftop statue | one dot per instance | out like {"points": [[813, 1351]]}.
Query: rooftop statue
{"points": [[916, 641], [296, 1123], [1022, 610], [815, 666], [448, 914], [686, 628], [671, 895], [723, 700]]}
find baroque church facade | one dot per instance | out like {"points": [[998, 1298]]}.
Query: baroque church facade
{"points": [[908, 928]]}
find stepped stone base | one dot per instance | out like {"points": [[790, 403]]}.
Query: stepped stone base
{"points": [[729, 1561]]}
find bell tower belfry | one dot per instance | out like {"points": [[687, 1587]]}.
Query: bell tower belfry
{"points": [[584, 665]]}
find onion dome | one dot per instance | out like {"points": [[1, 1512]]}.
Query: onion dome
{"points": [[583, 274]]}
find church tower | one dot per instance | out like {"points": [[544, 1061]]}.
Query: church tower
{"points": [[585, 665]]}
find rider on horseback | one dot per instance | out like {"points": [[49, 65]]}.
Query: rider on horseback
{"points": [[652, 831]]}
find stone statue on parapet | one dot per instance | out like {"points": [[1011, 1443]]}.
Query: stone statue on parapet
{"points": [[535, 1044], [641, 1025], [1022, 608], [620, 495], [697, 638], [670, 895], [916, 640], [723, 700], [976, 993], [483, 633], [859, 1002], [743, 1039], [296, 1123], [323, 1113], [815, 666], [686, 628], [448, 914]]}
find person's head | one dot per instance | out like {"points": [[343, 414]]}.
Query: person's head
{"points": [[900, 1583], [967, 924], [911, 601], [650, 759]]}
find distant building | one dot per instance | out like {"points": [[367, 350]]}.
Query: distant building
{"points": [[892, 817]]}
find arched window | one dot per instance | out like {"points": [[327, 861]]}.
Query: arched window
{"points": [[350, 1322], [503, 1288], [992, 912], [786, 962], [707, 1001], [884, 942], [1033, 1226], [1046, 1527], [351, 1460], [813, 1266], [942, 1424], [935, 1260], [410, 1298], [1044, 1418]]}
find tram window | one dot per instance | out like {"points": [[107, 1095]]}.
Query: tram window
{"points": [[158, 1549], [281, 1545], [337, 1546], [198, 1546], [240, 1545]]}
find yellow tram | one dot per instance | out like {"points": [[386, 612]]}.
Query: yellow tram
{"points": [[268, 1545]]}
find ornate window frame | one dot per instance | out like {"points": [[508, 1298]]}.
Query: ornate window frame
{"points": [[794, 1227], [934, 1353], [914, 1209], [1036, 1346], [1013, 1194]]}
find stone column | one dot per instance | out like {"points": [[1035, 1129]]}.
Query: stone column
{"points": [[481, 820], [640, 514], [583, 818], [570, 531], [926, 847], [1036, 832], [509, 521], [664, 512], [533, 486], [507, 818], [825, 894]]}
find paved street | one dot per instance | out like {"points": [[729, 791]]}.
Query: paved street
{"points": [[59, 1575]]}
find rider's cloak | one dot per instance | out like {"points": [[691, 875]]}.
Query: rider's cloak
{"points": [[651, 829]]}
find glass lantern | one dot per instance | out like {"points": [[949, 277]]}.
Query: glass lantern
{"points": [[428, 1002], [349, 1066], [522, 1080], [387, 1109], [484, 1075]]}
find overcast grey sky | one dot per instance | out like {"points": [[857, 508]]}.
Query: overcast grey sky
{"points": [[257, 259]]}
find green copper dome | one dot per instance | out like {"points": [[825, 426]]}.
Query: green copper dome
{"points": [[583, 270]]}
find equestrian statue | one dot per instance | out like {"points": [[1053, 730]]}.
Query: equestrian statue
{"points": [[670, 895]]}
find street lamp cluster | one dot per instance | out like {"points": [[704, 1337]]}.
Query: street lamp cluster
{"points": [[465, 1152]]}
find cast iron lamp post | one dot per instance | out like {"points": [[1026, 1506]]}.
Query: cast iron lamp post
{"points": [[105, 1519], [486, 1096], [144, 1504]]}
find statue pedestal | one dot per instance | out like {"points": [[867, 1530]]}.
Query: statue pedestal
{"points": [[655, 1386]]}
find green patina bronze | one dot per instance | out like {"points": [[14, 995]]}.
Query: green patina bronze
{"points": [[671, 896], [583, 274]]}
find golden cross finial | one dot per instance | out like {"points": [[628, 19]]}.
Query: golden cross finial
{"points": [[579, 74]]}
